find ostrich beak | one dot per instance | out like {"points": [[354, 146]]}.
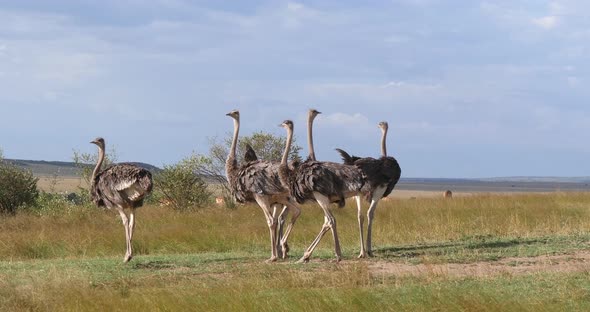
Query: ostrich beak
{"points": [[94, 142]]}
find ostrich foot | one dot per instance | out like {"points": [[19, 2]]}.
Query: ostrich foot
{"points": [[362, 255], [285, 250], [127, 258], [271, 260], [303, 259]]}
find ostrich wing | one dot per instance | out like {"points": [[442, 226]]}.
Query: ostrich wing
{"points": [[124, 184], [330, 179], [379, 172], [250, 154], [352, 178], [346, 158], [257, 177], [391, 167]]}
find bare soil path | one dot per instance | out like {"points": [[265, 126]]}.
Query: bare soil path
{"points": [[575, 262]]}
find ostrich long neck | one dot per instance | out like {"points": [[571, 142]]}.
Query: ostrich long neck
{"points": [[287, 146], [310, 137], [231, 157], [284, 171], [98, 164], [383, 143]]}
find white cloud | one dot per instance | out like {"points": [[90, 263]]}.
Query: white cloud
{"points": [[557, 8], [473, 81], [378, 94], [296, 15], [294, 6], [344, 120], [546, 22]]}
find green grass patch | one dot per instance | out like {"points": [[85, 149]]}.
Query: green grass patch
{"points": [[214, 282], [212, 259]]}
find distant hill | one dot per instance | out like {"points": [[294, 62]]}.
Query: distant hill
{"points": [[60, 168], [503, 179], [500, 184], [539, 179]]}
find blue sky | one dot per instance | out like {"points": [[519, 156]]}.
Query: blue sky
{"points": [[469, 88]]}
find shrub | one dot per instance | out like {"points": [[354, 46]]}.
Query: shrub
{"points": [[50, 204], [181, 186], [18, 188]]}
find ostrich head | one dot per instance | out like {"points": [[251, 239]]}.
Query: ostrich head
{"points": [[99, 142], [313, 113], [235, 114], [287, 124], [383, 125]]}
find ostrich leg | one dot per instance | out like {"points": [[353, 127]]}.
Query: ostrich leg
{"points": [[296, 211], [131, 228], [329, 224], [125, 220], [272, 225]]}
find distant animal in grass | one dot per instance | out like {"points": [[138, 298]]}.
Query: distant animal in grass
{"points": [[122, 186]]}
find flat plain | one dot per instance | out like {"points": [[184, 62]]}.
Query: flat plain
{"points": [[476, 251]]}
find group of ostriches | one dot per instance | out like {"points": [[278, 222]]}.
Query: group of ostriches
{"points": [[290, 184], [271, 185]]}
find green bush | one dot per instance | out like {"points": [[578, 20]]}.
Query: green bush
{"points": [[181, 186], [59, 204], [18, 188], [50, 204]]}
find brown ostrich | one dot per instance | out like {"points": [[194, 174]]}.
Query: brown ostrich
{"points": [[124, 187]]}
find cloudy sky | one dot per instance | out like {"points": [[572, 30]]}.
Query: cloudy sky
{"points": [[469, 88]]}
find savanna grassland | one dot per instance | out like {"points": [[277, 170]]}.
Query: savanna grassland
{"points": [[524, 252]]}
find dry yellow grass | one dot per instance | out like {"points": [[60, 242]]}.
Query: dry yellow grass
{"points": [[211, 260], [90, 231], [59, 184]]}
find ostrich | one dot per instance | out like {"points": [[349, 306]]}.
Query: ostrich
{"points": [[122, 186], [258, 181], [324, 182], [382, 175], [282, 246]]}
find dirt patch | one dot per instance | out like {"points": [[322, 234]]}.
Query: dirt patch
{"points": [[59, 184], [577, 262]]}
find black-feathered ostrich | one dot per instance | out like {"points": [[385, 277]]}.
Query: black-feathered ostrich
{"points": [[122, 186], [258, 181], [382, 176], [324, 182]]}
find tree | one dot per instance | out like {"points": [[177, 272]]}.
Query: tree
{"points": [[18, 188], [267, 146], [181, 185]]}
